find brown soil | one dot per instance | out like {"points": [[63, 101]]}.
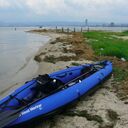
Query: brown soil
{"points": [[80, 47]]}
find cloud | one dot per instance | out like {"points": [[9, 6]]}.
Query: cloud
{"points": [[68, 9], [78, 9], [4, 4], [43, 7]]}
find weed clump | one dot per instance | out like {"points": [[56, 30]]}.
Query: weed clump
{"points": [[75, 64], [120, 74], [37, 58], [50, 59], [113, 116]]}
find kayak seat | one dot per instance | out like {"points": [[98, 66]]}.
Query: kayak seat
{"points": [[41, 80], [46, 84]]}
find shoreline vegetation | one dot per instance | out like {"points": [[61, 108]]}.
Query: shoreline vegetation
{"points": [[108, 106]]}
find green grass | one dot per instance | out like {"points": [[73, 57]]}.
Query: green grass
{"points": [[108, 43], [124, 33], [75, 64]]}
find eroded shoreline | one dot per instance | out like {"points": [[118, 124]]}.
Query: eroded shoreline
{"points": [[62, 52]]}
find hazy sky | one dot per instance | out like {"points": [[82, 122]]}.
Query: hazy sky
{"points": [[63, 10]]}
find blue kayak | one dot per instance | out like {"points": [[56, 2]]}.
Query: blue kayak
{"points": [[49, 92]]}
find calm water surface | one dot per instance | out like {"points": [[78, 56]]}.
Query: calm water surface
{"points": [[17, 48]]}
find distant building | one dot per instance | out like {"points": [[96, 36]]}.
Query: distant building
{"points": [[112, 24]]}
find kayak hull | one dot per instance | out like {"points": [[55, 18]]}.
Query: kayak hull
{"points": [[45, 106]]}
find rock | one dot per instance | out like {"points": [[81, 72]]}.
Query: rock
{"points": [[101, 49], [123, 59]]}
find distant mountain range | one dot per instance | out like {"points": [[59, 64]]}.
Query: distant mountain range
{"points": [[62, 23]]}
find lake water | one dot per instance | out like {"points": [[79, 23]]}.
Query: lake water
{"points": [[17, 48]]}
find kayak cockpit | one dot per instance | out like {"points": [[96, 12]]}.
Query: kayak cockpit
{"points": [[45, 85]]}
